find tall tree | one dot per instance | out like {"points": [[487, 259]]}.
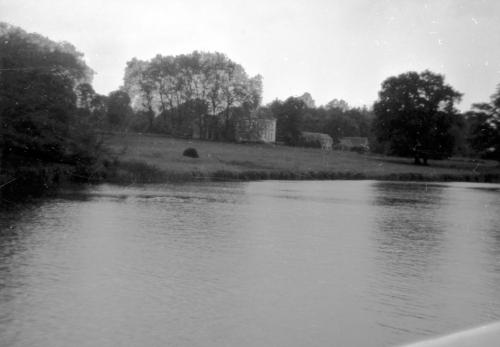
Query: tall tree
{"points": [[37, 97], [484, 120], [140, 86], [415, 114], [290, 116], [119, 110], [92, 108]]}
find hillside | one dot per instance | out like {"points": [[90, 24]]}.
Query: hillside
{"points": [[140, 153]]}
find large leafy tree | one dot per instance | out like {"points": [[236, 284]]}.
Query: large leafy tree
{"points": [[140, 83], [38, 78], [92, 107], [484, 123], [290, 117], [415, 116], [118, 110]]}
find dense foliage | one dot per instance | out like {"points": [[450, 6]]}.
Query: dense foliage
{"points": [[484, 127], [415, 116], [209, 86], [289, 119], [41, 122], [336, 119]]}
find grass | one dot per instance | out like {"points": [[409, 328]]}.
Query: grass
{"points": [[147, 158]]}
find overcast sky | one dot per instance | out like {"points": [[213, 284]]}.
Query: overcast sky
{"points": [[329, 48]]}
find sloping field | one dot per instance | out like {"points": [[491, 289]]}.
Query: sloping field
{"points": [[256, 161]]}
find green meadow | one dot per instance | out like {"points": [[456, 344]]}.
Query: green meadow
{"points": [[158, 158]]}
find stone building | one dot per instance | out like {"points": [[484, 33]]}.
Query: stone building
{"points": [[256, 130]]}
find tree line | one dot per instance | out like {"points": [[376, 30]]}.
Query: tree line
{"points": [[205, 91], [299, 114], [51, 115], [207, 94]]}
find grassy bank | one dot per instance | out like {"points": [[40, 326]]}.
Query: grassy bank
{"points": [[156, 158]]}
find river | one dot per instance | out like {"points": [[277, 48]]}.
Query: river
{"points": [[345, 263]]}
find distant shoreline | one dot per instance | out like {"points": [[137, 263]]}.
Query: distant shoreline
{"points": [[14, 190], [143, 175], [141, 159], [158, 158]]}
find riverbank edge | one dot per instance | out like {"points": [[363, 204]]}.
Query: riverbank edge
{"points": [[141, 173], [35, 181]]}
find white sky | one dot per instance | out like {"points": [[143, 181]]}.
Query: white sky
{"points": [[331, 49]]}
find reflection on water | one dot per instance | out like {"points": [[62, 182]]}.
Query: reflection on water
{"points": [[243, 264], [409, 237]]}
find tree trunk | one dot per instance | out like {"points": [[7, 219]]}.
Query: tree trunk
{"points": [[151, 116]]}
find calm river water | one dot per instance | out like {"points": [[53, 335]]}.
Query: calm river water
{"points": [[346, 263]]}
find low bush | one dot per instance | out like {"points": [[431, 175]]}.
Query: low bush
{"points": [[191, 153]]}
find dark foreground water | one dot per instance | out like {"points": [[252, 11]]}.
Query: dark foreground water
{"points": [[345, 263]]}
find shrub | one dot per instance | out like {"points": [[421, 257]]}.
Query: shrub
{"points": [[191, 152], [359, 149]]}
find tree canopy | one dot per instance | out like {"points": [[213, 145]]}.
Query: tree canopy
{"points": [[308, 100], [336, 119], [164, 83], [415, 115], [484, 133], [38, 103], [118, 107], [289, 119]]}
